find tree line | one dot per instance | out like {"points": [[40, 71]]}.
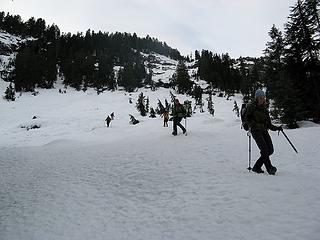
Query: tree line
{"points": [[82, 60], [289, 68]]}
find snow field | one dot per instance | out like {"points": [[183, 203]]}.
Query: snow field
{"points": [[76, 179]]}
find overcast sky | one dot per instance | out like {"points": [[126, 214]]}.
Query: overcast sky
{"points": [[237, 27]]}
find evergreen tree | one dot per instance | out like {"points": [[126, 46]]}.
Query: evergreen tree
{"points": [[152, 113], [187, 105], [28, 68], [181, 79], [84, 60], [141, 105], [147, 105], [274, 62], [197, 93], [173, 97], [167, 105], [302, 63], [10, 93], [196, 55], [236, 109], [161, 108], [210, 105]]}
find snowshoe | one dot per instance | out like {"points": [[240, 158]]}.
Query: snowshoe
{"points": [[257, 170], [272, 170]]}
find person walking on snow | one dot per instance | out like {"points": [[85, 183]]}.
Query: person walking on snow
{"points": [[259, 122], [165, 116], [108, 121], [178, 112]]}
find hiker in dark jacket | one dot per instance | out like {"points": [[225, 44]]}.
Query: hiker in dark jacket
{"points": [[259, 123], [108, 121], [178, 112]]}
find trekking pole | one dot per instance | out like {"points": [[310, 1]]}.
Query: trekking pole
{"points": [[185, 123], [289, 141], [249, 135]]}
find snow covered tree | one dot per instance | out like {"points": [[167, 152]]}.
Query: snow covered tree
{"points": [[167, 105], [210, 105], [197, 93], [161, 108], [10, 93], [173, 97], [187, 105], [236, 108], [152, 113], [141, 105], [147, 104]]}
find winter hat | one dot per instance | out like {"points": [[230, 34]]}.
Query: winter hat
{"points": [[260, 93]]}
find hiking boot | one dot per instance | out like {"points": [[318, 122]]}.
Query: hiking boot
{"points": [[174, 133], [272, 170], [257, 170]]}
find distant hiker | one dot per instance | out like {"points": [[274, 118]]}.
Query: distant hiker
{"points": [[112, 115], [178, 112], [165, 115], [258, 120], [108, 121]]}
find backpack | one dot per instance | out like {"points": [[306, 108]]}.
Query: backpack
{"points": [[243, 114]]}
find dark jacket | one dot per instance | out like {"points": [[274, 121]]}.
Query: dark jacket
{"points": [[178, 111], [258, 118]]}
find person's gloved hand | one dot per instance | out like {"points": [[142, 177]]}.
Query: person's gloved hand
{"points": [[279, 128]]}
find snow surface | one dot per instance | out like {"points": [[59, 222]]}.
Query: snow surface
{"points": [[74, 178]]}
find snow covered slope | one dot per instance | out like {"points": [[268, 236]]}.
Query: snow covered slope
{"points": [[73, 178], [8, 47]]}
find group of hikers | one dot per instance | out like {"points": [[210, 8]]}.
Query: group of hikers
{"points": [[258, 123]]}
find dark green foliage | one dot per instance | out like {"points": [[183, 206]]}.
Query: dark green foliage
{"points": [[152, 113], [187, 105], [147, 104], [293, 65], [236, 109], [131, 76], [197, 94], [167, 105], [141, 105], [133, 120], [84, 60], [219, 71], [160, 109], [274, 60], [35, 66], [10, 93], [181, 79], [210, 105], [173, 97]]}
